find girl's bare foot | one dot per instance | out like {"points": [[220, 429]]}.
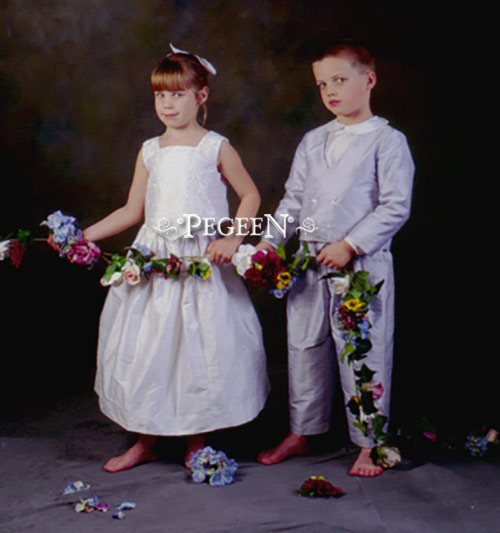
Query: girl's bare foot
{"points": [[363, 466], [289, 446], [194, 443], [141, 452]]}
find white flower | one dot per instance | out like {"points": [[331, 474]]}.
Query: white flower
{"points": [[4, 249], [242, 258], [341, 285], [131, 273], [492, 435], [115, 279], [389, 457], [364, 418]]}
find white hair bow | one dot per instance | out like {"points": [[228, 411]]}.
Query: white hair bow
{"points": [[210, 68]]}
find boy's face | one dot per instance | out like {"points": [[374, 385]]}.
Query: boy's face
{"points": [[344, 89]]}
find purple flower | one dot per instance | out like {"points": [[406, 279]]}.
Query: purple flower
{"points": [[477, 446], [364, 326], [143, 250]]}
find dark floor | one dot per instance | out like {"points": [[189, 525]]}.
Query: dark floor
{"points": [[49, 447]]}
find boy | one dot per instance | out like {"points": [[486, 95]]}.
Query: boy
{"points": [[352, 177]]}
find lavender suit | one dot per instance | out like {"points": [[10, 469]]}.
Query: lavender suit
{"points": [[363, 196]]}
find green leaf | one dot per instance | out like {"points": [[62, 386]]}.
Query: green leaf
{"points": [[363, 345], [159, 264], [348, 349], [365, 374], [110, 270], [360, 280], [305, 264], [332, 275], [353, 293], [378, 424], [376, 289], [24, 236], [374, 455], [281, 252], [361, 426], [203, 267], [305, 248], [367, 403]]}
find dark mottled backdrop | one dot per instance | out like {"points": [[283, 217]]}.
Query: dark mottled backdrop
{"points": [[75, 107]]}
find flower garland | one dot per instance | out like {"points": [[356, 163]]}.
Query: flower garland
{"points": [[214, 467], [271, 269], [263, 268], [356, 293], [139, 262]]}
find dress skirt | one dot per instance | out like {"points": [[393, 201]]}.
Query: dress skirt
{"points": [[180, 356]]}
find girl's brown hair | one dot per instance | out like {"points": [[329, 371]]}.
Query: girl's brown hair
{"points": [[178, 72]]}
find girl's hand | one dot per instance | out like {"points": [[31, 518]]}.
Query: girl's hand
{"points": [[335, 255], [222, 250], [265, 246]]}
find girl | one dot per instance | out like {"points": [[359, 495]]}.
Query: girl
{"points": [[185, 356]]}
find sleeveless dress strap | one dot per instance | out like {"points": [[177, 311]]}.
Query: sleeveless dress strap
{"points": [[149, 148], [210, 145]]}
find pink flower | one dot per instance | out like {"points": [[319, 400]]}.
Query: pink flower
{"points": [[83, 252], [430, 435], [375, 387], [16, 253], [492, 435]]}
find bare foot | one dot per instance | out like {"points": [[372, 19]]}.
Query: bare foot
{"points": [[141, 452], [194, 444], [291, 445], [363, 466]]}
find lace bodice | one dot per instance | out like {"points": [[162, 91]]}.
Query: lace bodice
{"points": [[183, 180]]}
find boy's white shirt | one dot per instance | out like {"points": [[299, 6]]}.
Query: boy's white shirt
{"points": [[363, 198], [341, 136]]}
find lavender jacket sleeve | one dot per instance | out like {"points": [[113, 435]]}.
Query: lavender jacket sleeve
{"points": [[395, 169]]}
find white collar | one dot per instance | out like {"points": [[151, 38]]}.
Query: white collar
{"points": [[367, 126]]}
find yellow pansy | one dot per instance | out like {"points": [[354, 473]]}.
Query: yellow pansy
{"points": [[354, 304], [206, 274], [284, 279]]}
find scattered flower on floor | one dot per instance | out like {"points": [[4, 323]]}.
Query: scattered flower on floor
{"points": [[318, 487]]}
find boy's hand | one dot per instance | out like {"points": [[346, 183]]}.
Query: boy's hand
{"points": [[221, 250], [265, 246], [335, 255]]}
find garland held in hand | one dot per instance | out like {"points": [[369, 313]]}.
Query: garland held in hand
{"points": [[139, 262], [275, 270], [356, 293]]}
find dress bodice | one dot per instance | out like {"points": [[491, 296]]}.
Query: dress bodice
{"points": [[183, 180]]}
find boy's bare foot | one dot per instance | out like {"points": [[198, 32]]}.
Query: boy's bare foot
{"points": [[363, 466], [141, 452], [194, 444], [289, 446]]}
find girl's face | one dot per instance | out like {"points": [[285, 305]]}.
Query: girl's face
{"points": [[179, 109]]}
